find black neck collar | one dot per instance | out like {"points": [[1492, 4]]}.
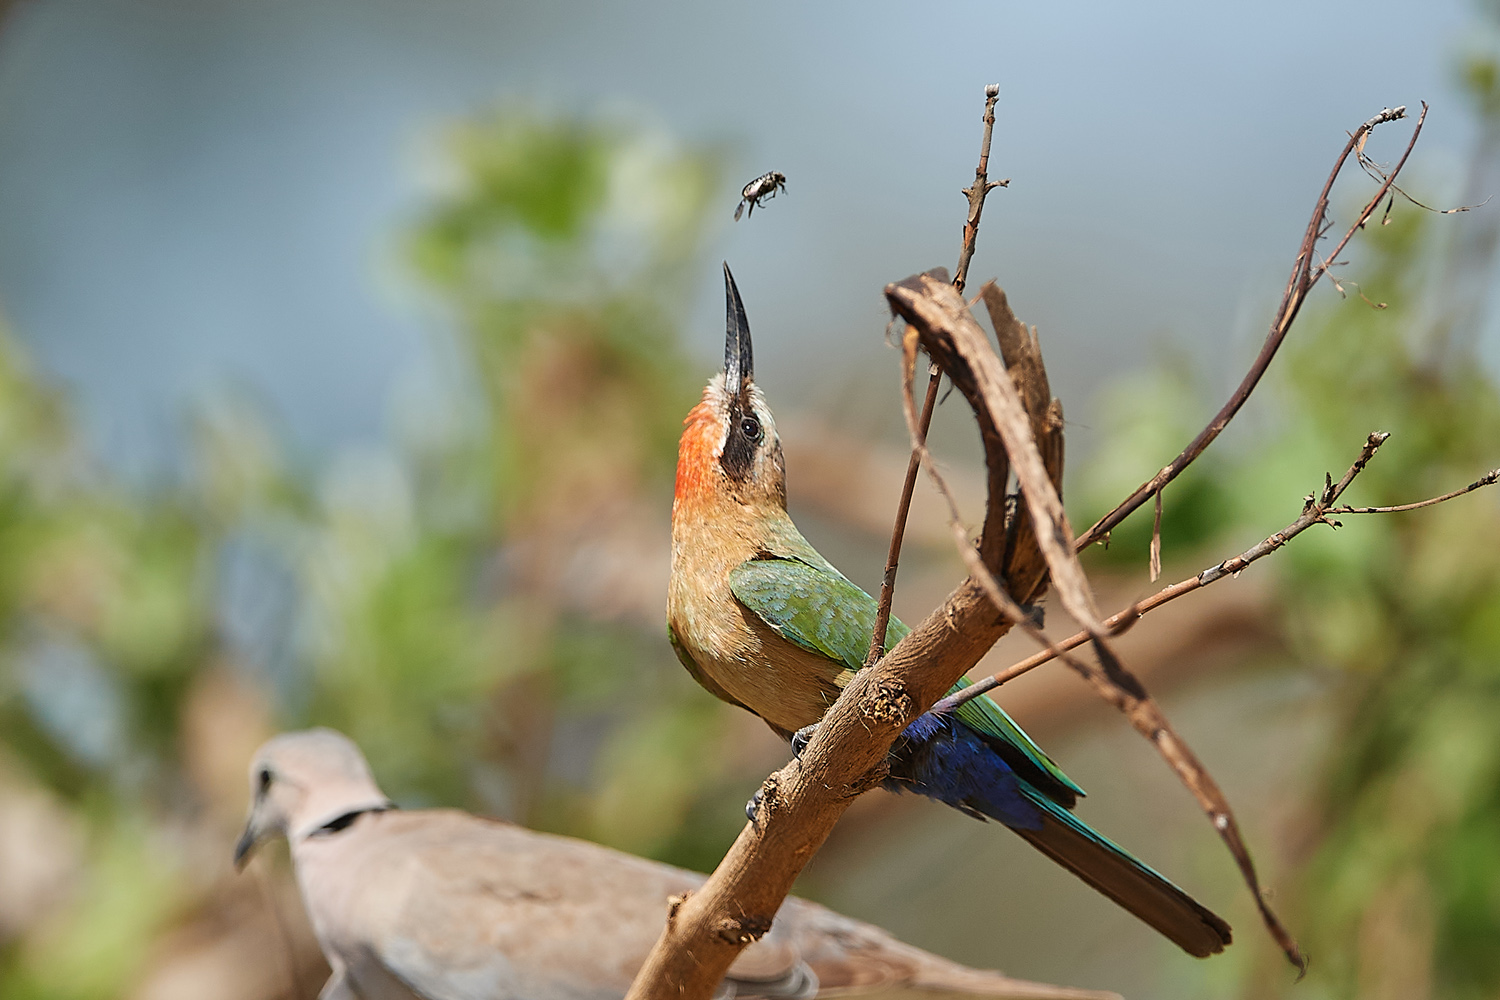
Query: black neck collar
{"points": [[344, 821]]}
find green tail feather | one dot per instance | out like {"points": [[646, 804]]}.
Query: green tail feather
{"points": [[1126, 879]]}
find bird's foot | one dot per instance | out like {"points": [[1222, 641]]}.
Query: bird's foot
{"points": [[801, 738], [763, 801], [752, 808]]}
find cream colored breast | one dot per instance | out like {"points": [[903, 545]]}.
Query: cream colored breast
{"points": [[781, 682]]}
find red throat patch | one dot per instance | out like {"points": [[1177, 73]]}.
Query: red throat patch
{"points": [[698, 453]]}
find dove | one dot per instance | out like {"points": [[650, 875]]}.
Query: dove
{"points": [[440, 904]]}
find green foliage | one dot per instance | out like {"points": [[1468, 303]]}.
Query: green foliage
{"points": [[428, 598], [1406, 609], [447, 624], [1151, 414], [1397, 896]]}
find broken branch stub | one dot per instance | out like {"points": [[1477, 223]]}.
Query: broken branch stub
{"points": [[1025, 570], [950, 335]]}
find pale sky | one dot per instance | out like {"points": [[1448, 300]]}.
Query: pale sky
{"points": [[198, 195]]}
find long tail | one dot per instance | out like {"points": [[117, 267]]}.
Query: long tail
{"points": [[1123, 878], [947, 761]]}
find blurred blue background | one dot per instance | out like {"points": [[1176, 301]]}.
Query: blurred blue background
{"points": [[228, 179], [345, 349]]}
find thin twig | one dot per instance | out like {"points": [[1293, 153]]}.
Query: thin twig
{"points": [[1318, 512], [976, 195], [977, 191], [1156, 541], [1488, 479], [898, 531], [1305, 274], [1371, 168]]}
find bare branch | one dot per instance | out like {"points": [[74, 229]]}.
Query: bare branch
{"points": [[898, 530], [1305, 274], [1488, 479], [1371, 168], [976, 195], [977, 191], [973, 562], [1025, 570], [1316, 511], [951, 336]]}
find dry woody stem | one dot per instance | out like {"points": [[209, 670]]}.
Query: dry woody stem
{"points": [[898, 533], [975, 193], [1305, 274], [1314, 512]]}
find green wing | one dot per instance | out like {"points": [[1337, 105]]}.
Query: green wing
{"points": [[817, 608], [821, 610]]}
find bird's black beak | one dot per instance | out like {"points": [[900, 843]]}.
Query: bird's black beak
{"points": [[739, 360], [246, 845]]}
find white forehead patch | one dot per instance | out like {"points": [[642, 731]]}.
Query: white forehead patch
{"points": [[718, 400]]}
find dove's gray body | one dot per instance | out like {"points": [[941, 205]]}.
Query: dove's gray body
{"points": [[443, 905]]}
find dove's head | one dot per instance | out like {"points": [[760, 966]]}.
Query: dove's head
{"points": [[301, 783], [729, 449]]}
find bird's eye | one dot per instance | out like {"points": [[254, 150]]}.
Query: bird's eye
{"points": [[264, 778], [750, 427]]}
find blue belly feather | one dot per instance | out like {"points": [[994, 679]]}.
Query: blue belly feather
{"points": [[941, 758]]}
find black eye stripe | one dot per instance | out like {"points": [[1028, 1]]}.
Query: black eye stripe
{"points": [[740, 444]]}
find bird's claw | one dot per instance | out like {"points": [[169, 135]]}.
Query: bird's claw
{"points": [[801, 738], [752, 808]]}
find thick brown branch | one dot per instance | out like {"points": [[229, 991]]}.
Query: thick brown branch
{"points": [[1002, 601], [952, 338], [972, 556], [1305, 274], [1025, 569], [802, 802]]}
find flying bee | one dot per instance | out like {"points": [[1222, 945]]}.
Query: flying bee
{"points": [[763, 187]]}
